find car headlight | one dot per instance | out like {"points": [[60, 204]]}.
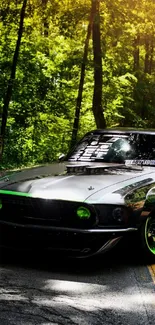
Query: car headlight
{"points": [[83, 213], [112, 214], [118, 214]]}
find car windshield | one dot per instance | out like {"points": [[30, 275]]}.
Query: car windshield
{"points": [[115, 147]]}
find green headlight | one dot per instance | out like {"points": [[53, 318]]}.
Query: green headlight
{"points": [[83, 213]]}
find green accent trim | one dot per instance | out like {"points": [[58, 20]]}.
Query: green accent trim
{"points": [[83, 213], [15, 193], [1, 204], [152, 247]]}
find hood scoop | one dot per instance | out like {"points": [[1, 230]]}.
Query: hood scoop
{"points": [[77, 169], [90, 169], [97, 170]]}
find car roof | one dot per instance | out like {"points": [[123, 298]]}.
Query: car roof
{"points": [[123, 130]]}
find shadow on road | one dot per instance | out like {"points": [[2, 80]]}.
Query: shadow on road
{"points": [[39, 288]]}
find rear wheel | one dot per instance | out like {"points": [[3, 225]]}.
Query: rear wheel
{"points": [[147, 233]]}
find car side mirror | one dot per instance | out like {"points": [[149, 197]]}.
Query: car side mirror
{"points": [[61, 157]]}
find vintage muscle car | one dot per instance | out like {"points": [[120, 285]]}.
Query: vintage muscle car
{"points": [[84, 204]]}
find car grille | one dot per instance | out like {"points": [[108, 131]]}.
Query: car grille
{"points": [[36, 211]]}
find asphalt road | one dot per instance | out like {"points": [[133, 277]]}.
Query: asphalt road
{"points": [[116, 288]]}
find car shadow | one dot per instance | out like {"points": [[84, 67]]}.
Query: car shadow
{"points": [[126, 253]]}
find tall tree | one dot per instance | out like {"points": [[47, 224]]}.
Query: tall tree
{"points": [[8, 94], [82, 77], [45, 18], [97, 96], [136, 53]]}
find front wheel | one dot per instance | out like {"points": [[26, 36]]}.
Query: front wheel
{"points": [[147, 234]]}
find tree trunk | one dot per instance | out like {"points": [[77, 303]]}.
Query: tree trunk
{"points": [[97, 96], [136, 53], [149, 49], [151, 55], [147, 69], [8, 95], [45, 19], [147, 54], [81, 83]]}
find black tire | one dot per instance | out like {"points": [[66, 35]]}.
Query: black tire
{"points": [[147, 237]]}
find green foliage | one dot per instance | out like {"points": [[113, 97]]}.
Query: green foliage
{"points": [[42, 108]]}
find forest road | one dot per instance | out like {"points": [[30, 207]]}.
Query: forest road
{"points": [[115, 288]]}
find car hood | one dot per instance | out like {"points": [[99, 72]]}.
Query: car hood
{"points": [[80, 188]]}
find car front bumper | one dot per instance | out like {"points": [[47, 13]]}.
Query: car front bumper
{"points": [[72, 241]]}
